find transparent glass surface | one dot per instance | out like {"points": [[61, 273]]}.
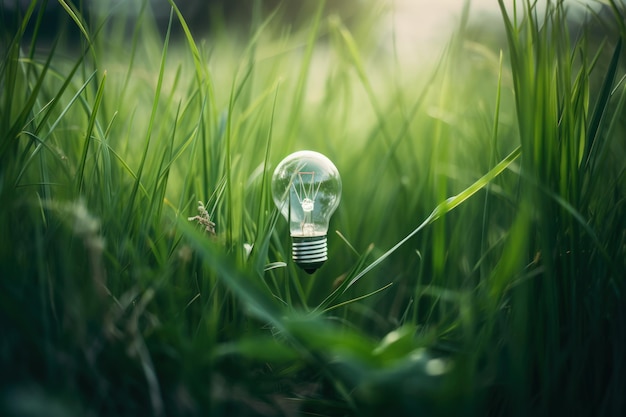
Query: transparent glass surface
{"points": [[306, 187]]}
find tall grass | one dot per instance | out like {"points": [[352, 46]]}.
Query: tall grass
{"points": [[477, 259]]}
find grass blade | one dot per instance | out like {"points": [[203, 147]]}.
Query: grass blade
{"points": [[148, 137], [601, 106], [443, 208], [75, 17]]}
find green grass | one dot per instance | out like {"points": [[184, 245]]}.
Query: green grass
{"points": [[476, 262]]}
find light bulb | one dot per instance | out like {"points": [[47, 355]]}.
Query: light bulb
{"points": [[306, 188]]}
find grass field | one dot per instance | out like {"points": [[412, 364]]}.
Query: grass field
{"points": [[477, 261]]}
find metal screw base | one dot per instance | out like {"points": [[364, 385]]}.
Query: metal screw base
{"points": [[309, 253]]}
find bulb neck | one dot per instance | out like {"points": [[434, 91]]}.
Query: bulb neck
{"points": [[310, 252]]}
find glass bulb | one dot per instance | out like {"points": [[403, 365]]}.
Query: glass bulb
{"points": [[306, 188]]}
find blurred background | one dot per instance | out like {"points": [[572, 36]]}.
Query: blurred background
{"points": [[415, 22]]}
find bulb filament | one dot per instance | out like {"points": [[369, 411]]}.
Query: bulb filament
{"points": [[306, 192]]}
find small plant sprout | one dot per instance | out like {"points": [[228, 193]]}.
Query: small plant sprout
{"points": [[306, 188], [203, 219]]}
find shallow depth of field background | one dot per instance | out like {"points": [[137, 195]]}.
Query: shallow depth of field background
{"points": [[476, 261]]}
